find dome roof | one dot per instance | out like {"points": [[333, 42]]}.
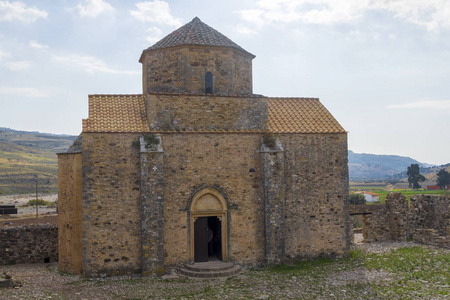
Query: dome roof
{"points": [[195, 33]]}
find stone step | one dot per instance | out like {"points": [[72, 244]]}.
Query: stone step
{"points": [[210, 266], [210, 272]]}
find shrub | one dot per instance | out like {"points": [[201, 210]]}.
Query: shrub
{"points": [[269, 139], [39, 202], [356, 199], [150, 140]]}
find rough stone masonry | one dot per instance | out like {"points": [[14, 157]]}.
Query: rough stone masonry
{"points": [[131, 205]]}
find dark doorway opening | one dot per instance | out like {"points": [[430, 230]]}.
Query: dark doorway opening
{"points": [[207, 239]]}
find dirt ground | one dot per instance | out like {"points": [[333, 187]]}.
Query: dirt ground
{"points": [[340, 281], [7, 221]]}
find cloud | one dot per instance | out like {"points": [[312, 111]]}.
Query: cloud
{"points": [[24, 92], [432, 104], [36, 45], [90, 64], [10, 11], [4, 55], [17, 65], [434, 15], [155, 34], [93, 8], [156, 11]]}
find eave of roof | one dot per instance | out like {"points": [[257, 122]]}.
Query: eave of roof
{"points": [[300, 115]]}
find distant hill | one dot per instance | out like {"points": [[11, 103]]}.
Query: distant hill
{"points": [[24, 154], [364, 166]]}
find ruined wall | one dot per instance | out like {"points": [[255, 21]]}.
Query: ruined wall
{"points": [[426, 221], [111, 209], [430, 219], [170, 112], [183, 69], [69, 212], [385, 222], [316, 208], [229, 162], [28, 244]]}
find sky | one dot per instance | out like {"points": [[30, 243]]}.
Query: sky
{"points": [[381, 67]]}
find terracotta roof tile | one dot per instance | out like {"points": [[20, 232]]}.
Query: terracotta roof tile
{"points": [[126, 113], [195, 33], [300, 115], [116, 113]]}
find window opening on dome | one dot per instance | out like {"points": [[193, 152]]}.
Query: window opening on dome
{"points": [[208, 83]]}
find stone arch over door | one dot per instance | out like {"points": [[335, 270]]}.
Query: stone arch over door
{"points": [[208, 202]]}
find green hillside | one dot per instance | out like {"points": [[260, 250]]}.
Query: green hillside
{"points": [[26, 154]]}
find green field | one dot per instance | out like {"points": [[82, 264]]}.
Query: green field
{"points": [[383, 192]]}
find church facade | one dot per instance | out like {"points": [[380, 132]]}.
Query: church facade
{"points": [[197, 167]]}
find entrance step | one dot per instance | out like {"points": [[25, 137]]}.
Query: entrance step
{"points": [[210, 269]]}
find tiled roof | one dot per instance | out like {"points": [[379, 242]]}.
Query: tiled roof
{"points": [[126, 113], [300, 115], [195, 33], [116, 113]]}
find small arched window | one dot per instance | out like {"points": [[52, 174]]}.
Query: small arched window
{"points": [[208, 83]]}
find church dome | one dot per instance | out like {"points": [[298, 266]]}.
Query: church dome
{"points": [[195, 33], [197, 59]]}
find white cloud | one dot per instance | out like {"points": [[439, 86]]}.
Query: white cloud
{"points": [[24, 92], [245, 30], [90, 64], [4, 55], [36, 45], [93, 8], [10, 11], [17, 65], [432, 104], [156, 11], [155, 34], [434, 15]]}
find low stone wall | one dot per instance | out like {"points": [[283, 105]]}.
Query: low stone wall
{"points": [[426, 221], [430, 219], [28, 244]]}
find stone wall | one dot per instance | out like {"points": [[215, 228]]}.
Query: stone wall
{"points": [[316, 208], [69, 212], [430, 217], [273, 167], [111, 231], [426, 221], [298, 209], [183, 69], [28, 244], [227, 162], [169, 112]]}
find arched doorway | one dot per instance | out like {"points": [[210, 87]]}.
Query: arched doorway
{"points": [[208, 226]]}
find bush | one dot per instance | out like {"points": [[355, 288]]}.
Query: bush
{"points": [[151, 140], [270, 140], [39, 202], [356, 199]]}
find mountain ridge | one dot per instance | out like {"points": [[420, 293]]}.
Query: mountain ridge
{"points": [[364, 166]]}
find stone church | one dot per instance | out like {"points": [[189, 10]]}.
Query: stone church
{"points": [[199, 168]]}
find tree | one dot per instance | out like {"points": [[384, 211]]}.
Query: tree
{"points": [[356, 199], [443, 178], [414, 176]]}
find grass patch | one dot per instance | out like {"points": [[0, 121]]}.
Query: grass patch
{"points": [[39, 202], [418, 271]]}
